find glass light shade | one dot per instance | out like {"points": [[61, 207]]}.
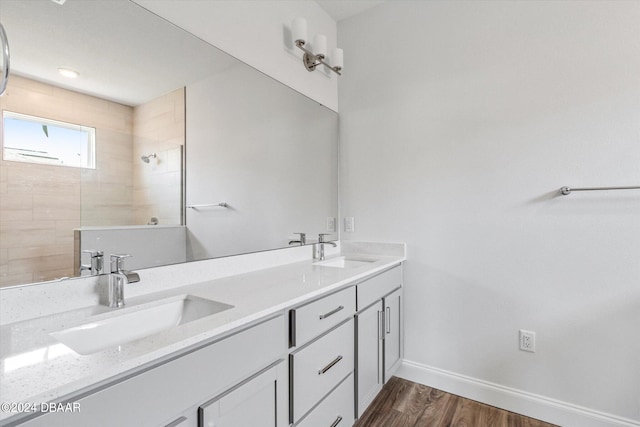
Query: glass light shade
{"points": [[299, 30]]}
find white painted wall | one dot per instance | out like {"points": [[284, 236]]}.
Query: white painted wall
{"points": [[258, 32], [459, 123]]}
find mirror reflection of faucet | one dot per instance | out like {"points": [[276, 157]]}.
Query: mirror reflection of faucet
{"points": [[302, 241], [96, 262]]}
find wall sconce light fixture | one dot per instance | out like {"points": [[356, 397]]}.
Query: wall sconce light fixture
{"points": [[310, 59]]}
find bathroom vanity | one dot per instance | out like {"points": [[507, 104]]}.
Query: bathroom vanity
{"points": [[293, 342]]}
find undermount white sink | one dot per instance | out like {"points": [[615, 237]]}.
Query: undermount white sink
{"points": [[344, 262], [131, 324]]}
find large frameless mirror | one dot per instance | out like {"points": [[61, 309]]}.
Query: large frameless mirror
{"points": [[122, 133]]}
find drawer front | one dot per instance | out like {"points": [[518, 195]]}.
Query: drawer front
{"points": [[334, 411], [319, 367], [313, 319], [378, 286]]}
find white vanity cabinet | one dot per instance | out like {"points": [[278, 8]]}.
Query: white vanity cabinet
{"points": [[322, 363], [378, 334], [229, 371]]}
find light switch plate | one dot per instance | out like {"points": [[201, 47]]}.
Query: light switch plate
{"points": [[349, 224], [331, 224]]}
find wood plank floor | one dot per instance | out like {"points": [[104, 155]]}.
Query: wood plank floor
{"points": [[402, 403]]}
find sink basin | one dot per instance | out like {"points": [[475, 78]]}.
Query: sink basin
{"points": [[133, 323], [344, 262]]}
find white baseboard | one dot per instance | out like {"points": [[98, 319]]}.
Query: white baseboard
{"points": [[521, 402]]}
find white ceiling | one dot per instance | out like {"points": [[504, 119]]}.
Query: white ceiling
{"points": [[343, 9], [104, 40]]}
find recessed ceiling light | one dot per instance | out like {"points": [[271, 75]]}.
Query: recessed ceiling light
{"points": [[65, 72], [60, 2]]}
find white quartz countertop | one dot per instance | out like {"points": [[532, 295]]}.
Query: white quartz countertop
{"points": [[37, 368]]}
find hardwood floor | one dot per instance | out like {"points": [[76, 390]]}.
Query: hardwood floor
{"points": [[402, 403]]}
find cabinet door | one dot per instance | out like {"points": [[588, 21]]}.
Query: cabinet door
{"points": [[252, 403], [392, 332], [369, 348]]}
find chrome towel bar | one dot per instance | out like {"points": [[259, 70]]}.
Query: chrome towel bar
{"points": [[222, 205], [567, 190]]}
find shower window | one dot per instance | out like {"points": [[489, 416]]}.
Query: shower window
{"points": [[38, 140]]}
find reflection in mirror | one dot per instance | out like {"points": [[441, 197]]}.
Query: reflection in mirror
{"points": [[162, 104], [46, 203], [276, 169]]}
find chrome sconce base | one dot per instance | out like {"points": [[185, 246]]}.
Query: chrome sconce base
{"points": [[6, 57], [311, 60]]}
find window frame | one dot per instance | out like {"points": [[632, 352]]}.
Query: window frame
{"points": [[86, 163]]}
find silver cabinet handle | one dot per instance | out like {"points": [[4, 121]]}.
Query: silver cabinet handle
{"points": [[380, 327], [336, 422], [387, 318], [330, 365], [331, 313], [176, 422], [6, 59], [208, 205]]}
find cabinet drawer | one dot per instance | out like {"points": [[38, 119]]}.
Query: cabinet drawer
{"points": [[319, 367], [378, 286], [313, 319], [334, 411]]}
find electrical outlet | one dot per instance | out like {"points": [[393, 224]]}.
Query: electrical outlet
{"points": [[527, 341], [331, 224], [349, 224]]}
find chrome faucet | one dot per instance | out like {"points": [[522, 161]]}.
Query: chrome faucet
{"points": [[118, 278], [96, 263], [318, 248], [302, 241]]}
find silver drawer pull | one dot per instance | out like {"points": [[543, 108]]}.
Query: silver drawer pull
{"points": [[331, 313], [387, 317], [330, 365], [177, 422], [336, 422]]}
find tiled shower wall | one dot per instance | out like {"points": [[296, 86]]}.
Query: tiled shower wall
{"points": [[40, 205], [159, 127]]}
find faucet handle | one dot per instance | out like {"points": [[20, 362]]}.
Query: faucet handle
{"points": [[321, 237], [117, 261], [97, 262], [93, 254]]}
